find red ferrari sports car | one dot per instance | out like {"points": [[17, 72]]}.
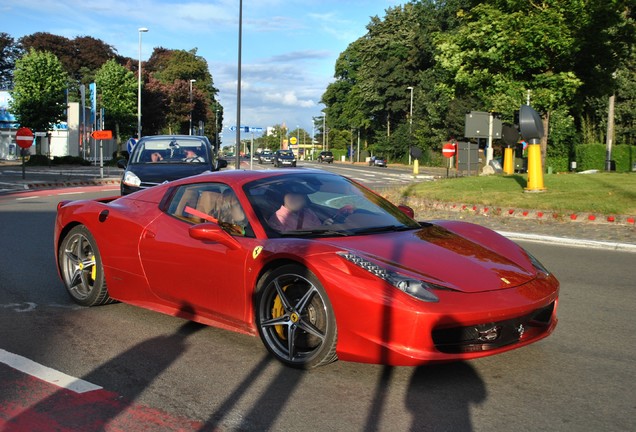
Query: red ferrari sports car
{"points": [[317, 265]]}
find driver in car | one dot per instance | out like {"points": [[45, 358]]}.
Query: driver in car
{"points": [[192, 156], [294, 213]]}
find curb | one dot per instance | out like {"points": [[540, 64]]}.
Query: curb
{"points": [[575, 217], [47, 185], [564, 241]]}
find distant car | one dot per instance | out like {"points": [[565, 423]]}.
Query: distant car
{"points": [[160, 158], [355, 278], [284, 158], [378, 161], [266, 156], [325, 156]]}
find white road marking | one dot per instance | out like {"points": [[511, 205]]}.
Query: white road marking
{"points": [[46, 374], [26, 198], [71, 193]]}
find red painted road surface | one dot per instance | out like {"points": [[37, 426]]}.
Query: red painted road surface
{"points": [[30, 404]]}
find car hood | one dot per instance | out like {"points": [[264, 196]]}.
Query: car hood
{"points": [[437, 254], [160, 172]]}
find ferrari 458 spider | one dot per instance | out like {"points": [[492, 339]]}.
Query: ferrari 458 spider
{"points": [[315, 264]]}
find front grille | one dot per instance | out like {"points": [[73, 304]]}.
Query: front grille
{"points": [[488, 336]]}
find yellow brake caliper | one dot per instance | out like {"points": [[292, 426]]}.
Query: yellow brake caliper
{"points": [[278, 311], [94, 268]]}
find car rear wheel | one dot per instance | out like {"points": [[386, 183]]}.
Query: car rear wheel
{"points": [[81, 268], [295, 318]]}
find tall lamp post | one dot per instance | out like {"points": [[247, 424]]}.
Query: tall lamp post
{"points": [[410, 123], [238, 89], [140, 30], [191, 81]]}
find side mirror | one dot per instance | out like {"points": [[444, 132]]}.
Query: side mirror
{"points": [[407, 211], [122, 163], [220, 163], [214, 233]]}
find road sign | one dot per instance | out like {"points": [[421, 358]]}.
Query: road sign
{"points": [[130, 144], [293, 140], [448, 150], [24, 137], [102, 134], [232, 128]]}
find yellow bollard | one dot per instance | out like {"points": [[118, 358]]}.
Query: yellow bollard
{"points": [[509, 161], [535, 171], [416, 167]]}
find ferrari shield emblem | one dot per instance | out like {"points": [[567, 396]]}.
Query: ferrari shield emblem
{"points": [[257, 251]]}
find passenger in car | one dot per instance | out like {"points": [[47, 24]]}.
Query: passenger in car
{"points": [[231, 214], [294, 213]]}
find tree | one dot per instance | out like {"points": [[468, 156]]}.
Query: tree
{"points": [[117, 88], [9, 52], [171, 72], [38, 98]]}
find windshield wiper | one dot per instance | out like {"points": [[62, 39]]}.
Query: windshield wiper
{"points": [[385, 228], [314, 232]]}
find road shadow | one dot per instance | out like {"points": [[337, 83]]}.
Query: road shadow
{"points": [[140, 365], [267, 408], [440, 397]]}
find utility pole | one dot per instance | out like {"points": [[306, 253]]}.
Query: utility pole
{"points": [[610, 133]]}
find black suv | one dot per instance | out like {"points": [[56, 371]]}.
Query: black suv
{"points": [[325, 156], [284, 158], [161, 158]]}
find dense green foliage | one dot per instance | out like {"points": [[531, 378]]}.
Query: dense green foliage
{"points": [[117, 90], [567, 56], [38, 96], [592, 156], [166, 95]]}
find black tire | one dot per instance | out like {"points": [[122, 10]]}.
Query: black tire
{"points": [[291, 300], [81, 268]]}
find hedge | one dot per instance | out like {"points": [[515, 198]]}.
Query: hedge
{"points": [[592, 156]]}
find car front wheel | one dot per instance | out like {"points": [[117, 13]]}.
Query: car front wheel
{"points": [[81, 268], [295, 318]]}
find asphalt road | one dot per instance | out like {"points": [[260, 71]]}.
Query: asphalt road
{"points": [[579, 379]]}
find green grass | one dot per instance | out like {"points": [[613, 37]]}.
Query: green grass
{"points": [[604, 193]]}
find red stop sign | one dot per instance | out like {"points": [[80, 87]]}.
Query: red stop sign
{"points": [[448, 150], [24, 137]]}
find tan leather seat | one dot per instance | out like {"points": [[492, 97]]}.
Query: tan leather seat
{"points": [[209, 203]]}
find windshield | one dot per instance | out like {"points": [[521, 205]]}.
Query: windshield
{"points": [[304, 205], [170, 150], [285, 153]]}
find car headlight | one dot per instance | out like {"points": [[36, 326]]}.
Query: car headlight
{"points": [[537, 264], [131, 179], [416, 288]]}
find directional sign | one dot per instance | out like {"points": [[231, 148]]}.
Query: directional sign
{"points": [[130, 144], [24, 137], [232, 128], [448, 150], [102, 134]]}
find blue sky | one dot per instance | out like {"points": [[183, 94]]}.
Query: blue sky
{"points": [[289, 46]]}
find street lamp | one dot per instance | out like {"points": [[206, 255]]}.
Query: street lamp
{"points": [[191, 81], [140, 30], [410, 123], [238, 87]]}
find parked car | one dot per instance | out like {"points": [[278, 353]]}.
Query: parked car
{"points": [[266, 156], [377, 161], [160, 158], [315, 264], [284, 158], [325, 156]]}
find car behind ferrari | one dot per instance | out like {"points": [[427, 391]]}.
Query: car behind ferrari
{"points": [[318, 266]]}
